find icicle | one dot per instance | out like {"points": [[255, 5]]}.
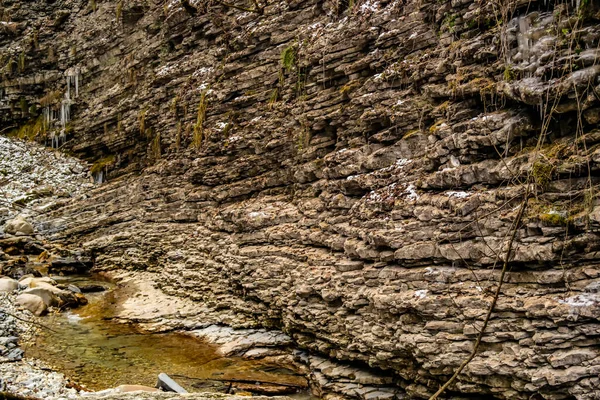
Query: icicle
{"points": [[77, 85], [99, 177], [65, 112], [68, 95]]}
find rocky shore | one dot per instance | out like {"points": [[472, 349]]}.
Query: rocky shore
{"points": [[23, 376], [34, 179]]}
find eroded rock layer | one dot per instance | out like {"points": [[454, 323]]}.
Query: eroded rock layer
{"points": [[347, 172]]}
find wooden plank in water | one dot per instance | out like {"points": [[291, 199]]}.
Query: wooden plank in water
{"points": [[168, 384]]}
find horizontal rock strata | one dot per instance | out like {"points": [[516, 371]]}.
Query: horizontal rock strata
{"points": [[347, 172]]}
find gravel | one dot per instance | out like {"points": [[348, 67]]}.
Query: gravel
{"points": [[29, 171], [18, 375]]}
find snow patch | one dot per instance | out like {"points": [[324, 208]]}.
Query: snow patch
{"points": [[257, 214], [458, 195], [411, 192], [581, 300]]}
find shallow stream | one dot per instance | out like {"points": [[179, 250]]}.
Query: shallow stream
{"points": [[95, 351]]}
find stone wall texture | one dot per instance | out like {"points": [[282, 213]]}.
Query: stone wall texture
{"points": [[348, 172]]}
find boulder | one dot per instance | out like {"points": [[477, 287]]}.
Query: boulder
{"points": [[48, 296], [30, 281], [47, 284], [35, 304], [18, 226], [8, 284], [54, 296], [91, 288]]}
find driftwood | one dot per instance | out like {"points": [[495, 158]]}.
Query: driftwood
{"points": [[166, 383]]}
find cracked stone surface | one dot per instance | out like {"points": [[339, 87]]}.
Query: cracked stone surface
{"points": [[356, 197]]}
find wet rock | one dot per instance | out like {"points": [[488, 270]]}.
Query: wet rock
{"points": [[91, 288], [70, 265], [12, 251], [19, 226], [80, 300], [35, 304], [16, 269], [18, 245], [73, 289]]}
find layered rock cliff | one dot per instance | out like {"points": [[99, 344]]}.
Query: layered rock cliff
{"points": [[349, 172]]}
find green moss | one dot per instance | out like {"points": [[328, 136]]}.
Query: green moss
{"points": [[349, 87], [273, 98], [119, 10], [22, 62], [201, 116], [288, 58], [24, 105], [156, 147], [142, 121], [30, 130], [51, 98], [554, 219], [450, 22], [410, 134], [509, 73], [102, 164], [541, 171]]}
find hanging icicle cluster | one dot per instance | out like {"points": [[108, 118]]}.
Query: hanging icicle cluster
{"points": [[63, 115]]}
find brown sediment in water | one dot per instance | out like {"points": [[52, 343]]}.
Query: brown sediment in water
{"points": [[96, 351]]}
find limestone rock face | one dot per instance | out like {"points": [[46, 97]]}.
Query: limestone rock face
{"points": [[19, 226], [348, 175]]}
